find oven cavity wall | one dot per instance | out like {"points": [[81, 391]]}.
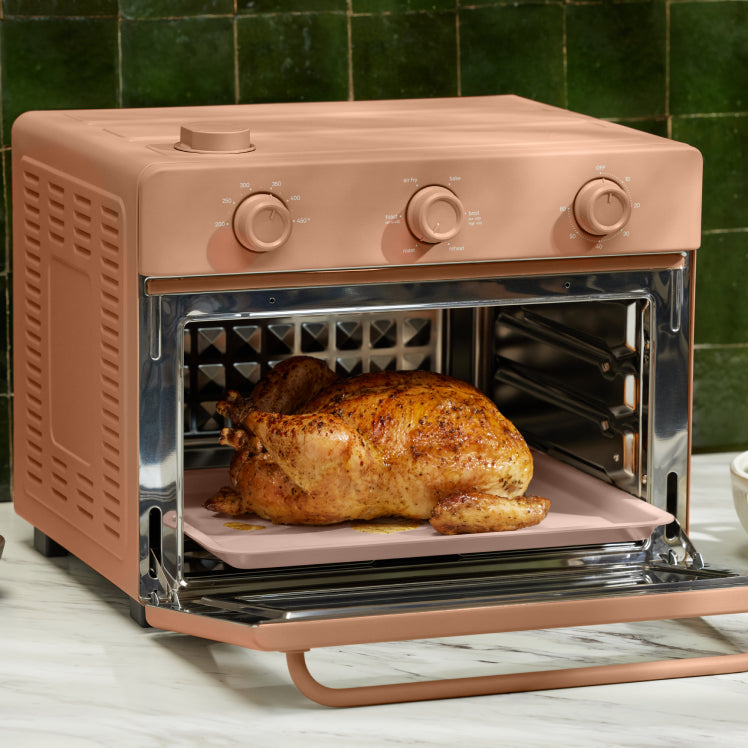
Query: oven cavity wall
{"points": [[75, 343]]}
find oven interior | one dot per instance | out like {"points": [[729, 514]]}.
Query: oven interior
{"points": [[577, 375]]}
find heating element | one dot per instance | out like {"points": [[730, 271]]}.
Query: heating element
{"points": [[165, 256]]}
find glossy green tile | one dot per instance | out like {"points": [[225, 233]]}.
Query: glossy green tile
{"points": [[57, 64], [289, 57], [387, 6], [8, 211], [720, 406], [723, 140], [5, 202], [5, 448], [721, 298], [289, 6], [178, 62], [4, 335], [60, 8], [404, 55], [616, 58], [708, 57], [513, 49], [174, 8], [654, 125]]}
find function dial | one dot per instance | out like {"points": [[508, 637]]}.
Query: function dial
{"points": [[434, 214], [602, 207], [262, 222]]}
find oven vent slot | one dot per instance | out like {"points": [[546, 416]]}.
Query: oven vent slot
{"points": [[672, 530], [154, 541]]}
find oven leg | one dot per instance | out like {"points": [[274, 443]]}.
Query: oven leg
{"points": [[52, 549], [137, 613], [47, 547], [508, 683]]}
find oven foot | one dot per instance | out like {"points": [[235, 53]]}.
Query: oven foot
{"points": [[137, 613], [47, 547]]}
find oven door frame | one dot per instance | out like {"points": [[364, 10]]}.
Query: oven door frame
{"points": [[167, 305]]}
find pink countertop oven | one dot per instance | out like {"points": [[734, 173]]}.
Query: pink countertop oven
{"points": [[163, 257]]}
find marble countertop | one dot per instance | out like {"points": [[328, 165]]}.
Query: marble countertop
{"points": [[76, 671]]}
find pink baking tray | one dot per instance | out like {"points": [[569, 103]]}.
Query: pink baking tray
{"points": [[583, 511]]}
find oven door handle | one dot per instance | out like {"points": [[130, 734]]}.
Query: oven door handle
{"points": [[484, 685]]}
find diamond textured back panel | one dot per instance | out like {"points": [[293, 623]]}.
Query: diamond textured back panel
{"points": [[234, 355], [69, 352]]}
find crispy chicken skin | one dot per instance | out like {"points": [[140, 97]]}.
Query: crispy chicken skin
{"points": [[314, 449]]}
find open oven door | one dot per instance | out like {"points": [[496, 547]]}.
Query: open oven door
{"points": [[293, 611]]}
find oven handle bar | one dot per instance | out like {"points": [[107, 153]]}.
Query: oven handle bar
{"points": [[483, 685]]}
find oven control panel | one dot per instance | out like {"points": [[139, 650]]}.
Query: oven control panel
{"points": [[343, 216], [222, 205]]}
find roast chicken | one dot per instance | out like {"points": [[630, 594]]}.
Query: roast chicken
{"points": [[315, 449]]}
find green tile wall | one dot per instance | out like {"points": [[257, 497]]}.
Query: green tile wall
{"points": [[674, 67]]}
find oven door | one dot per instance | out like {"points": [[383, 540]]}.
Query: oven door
{"points": [[592, 361]]}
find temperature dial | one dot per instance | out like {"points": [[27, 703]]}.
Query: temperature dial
{"points": [[434, 214], [602, 207], [262, 222]]}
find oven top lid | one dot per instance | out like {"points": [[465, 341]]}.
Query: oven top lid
{"points": [[348, 129]]}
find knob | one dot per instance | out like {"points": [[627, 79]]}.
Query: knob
{"points": [[262, 222], [434, 214], [214, 137], [602, 207]]}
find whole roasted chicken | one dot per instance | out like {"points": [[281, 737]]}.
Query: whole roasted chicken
{"points": [[314, 449]]}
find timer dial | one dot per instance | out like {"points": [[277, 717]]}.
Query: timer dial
{"points": [[434, 214], [602, 207], [262, 222]]}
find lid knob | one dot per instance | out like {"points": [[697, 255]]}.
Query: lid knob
{"points": [[214, 137]]}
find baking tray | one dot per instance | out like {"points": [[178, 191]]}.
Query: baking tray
{"points": [[583, 511]]}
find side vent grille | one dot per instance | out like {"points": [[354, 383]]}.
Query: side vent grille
{"points": [[72, 312], [33, 303]]}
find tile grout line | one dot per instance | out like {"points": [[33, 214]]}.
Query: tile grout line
{"points": [[349, 32], [565, 57], [458, 49], [668, 118], [5, 153], [120, 74], [235, 28], [712, 346]]}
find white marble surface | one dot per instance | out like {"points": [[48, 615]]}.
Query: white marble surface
{"points": [[76, 671]]}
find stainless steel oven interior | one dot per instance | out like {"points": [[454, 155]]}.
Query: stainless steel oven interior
{"points": [[592, 367]]}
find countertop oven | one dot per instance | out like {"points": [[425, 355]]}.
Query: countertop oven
{"points": [[165, 256]]}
